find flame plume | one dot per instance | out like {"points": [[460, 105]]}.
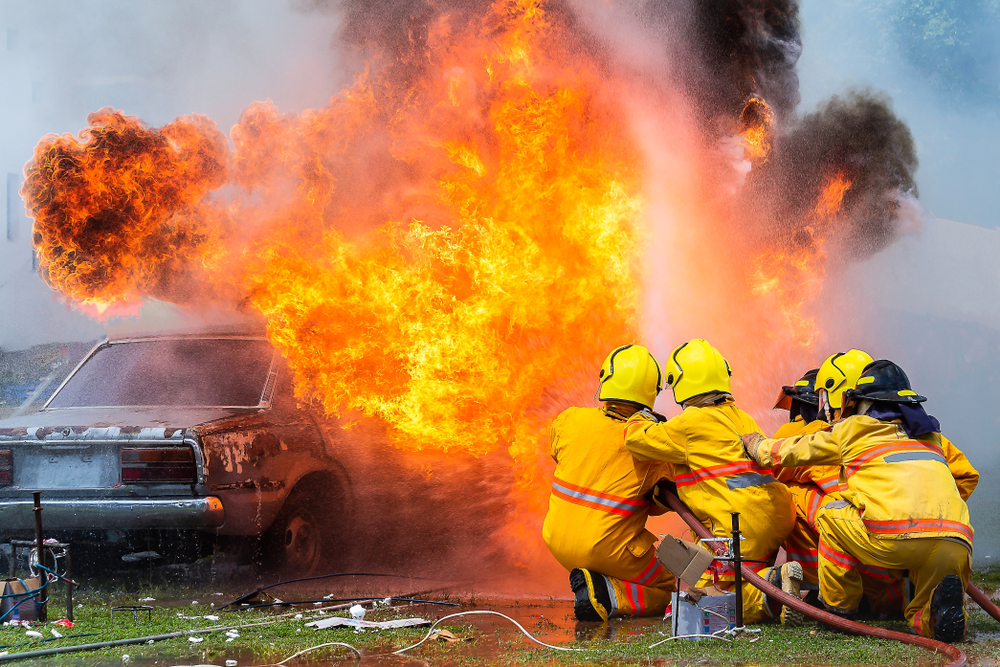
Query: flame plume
{"points": [[455, 242]]}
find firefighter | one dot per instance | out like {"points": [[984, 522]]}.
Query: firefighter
{"points": [[838, 374], [714, 477], [814, 486], [802, 403], [904, 503], [601, 497]]}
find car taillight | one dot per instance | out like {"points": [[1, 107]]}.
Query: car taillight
{"points": [[6, 467], [163, 464]]}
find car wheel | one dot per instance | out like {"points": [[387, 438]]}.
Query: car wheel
{"points": [[299, 539]]}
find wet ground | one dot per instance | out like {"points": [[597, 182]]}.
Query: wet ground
{"points": [[479, 639]]}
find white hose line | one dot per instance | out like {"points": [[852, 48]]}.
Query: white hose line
{"points": [[313, 648], [483, 612]]}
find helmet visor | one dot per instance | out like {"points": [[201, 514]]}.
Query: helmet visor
{"points": [[784, 401]]}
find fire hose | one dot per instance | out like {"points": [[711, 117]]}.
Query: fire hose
{"points": [[773, 593]]}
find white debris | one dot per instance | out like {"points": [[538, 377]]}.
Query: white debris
{"points": [[211, 617], [126, 658], [194, 602], [196, 640], [334, 621], [231, 663], [147, 599], [55, 633], [33, 633], [357, 612], [298, 616], [386, 602]]}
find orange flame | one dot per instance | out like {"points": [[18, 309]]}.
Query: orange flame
{"points": [[454, 253], [794, 277], [757, 120]]}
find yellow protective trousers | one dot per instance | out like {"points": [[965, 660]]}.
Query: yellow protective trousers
{"points": [[802, 545], [846, 549], [644, 593]]}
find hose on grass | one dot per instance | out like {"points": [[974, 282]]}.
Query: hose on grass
{"points": [[773, 593], [483, 612], [313, 648]]}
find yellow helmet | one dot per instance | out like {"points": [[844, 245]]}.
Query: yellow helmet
{"points": [[840, 373], [697, 368], [630, 374]]}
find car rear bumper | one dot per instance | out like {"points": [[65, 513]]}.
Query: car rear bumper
{"points": [[120, 513]]}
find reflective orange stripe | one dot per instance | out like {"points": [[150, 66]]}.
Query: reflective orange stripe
{"points": [[721, 470], [904, 446], [598, 500], [846, 562], [919, 526]]}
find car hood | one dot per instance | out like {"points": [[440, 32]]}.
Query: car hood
{"points": [[128, 420]]}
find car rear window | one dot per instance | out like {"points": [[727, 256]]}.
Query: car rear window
{"points": [[218, 372]]}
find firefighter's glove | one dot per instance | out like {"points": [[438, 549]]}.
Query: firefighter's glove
{"points": [[658, 494], [751, 441], [654, 416]]}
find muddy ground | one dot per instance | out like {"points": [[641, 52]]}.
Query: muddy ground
{"points": [[268, 635]]}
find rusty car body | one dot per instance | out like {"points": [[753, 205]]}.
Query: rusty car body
{"points": [[196, 432]]}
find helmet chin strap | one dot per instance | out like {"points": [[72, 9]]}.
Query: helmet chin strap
{"points": [[825, 405]]}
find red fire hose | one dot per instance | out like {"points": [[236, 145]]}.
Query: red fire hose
{"points": [[773, 593]]}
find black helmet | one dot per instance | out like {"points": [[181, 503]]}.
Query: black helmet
{"points": [[802, 392], [801, 398], [881, 380]]}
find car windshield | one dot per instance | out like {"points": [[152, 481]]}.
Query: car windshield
{"points": [[219, 372]]}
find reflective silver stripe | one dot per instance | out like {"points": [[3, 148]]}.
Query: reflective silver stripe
{"points": [[915, 456], [748, 480], [630, 507]]}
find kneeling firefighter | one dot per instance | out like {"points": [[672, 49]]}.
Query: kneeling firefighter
{"points": [[903, 508], [814, 486], [713, 475], [601, 497]]}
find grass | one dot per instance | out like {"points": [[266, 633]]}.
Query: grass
{"points": [[622, 644]]}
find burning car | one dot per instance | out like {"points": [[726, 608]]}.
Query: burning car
{"points": [[190, 432]]}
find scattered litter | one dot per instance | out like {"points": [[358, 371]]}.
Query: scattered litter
{"points": [[126, 658], [147, 600], [357, 612], [64, 622], [196, 640], [297, 617], [211, 617], [386, 602], [194, 602], [335, 621], [55, 633], [445, 636], [231, 663], [234, 662], [34, 634]]}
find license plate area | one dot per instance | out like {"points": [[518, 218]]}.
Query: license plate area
{"points": [[65, 467]]}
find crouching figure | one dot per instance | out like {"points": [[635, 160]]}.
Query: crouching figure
{"points": [[903, 508], [714, 477], [595, 526]]}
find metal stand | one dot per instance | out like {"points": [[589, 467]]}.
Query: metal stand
{"points": [[738, 568], [40, 550]]}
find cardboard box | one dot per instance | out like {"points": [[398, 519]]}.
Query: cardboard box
{"points": [[20, 588], [710, 614], [685, 560]]}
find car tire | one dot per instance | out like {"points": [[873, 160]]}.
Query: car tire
{"points": [[299, 542]]}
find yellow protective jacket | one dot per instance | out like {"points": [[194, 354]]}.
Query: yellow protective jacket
{"points": [[903, 487], [827, 478], [713, 475], [597, 502]]}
